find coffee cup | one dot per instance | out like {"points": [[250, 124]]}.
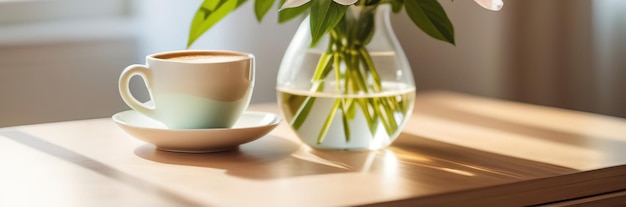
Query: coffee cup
{"points": [[193, 89]]}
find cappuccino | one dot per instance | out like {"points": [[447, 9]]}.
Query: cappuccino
{"points": [[200, 58]]}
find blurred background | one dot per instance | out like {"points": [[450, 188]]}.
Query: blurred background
{"points": [[60, 59]]}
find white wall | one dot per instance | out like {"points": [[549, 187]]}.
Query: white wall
{"points": [[475, 65], [64, 80], [60, 60]]}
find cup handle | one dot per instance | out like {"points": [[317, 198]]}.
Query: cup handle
{"points": [[145, 73]]}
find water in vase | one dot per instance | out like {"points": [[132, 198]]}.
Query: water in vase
{"points": [[356, 121]]}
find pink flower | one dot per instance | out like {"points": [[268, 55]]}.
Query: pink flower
{"points": [[493, 5], [297, 3]]}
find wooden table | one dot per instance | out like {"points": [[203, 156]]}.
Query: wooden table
{"points": [[456, 150]]}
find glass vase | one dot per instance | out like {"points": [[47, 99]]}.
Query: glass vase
{"points": [[354, 89]]}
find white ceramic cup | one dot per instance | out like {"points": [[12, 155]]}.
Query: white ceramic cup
{"points": [[193, 89]]}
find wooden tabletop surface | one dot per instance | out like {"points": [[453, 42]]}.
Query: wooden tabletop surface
{"points": [[455, 150]]}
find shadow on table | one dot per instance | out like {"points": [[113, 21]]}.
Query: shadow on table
{"points": [[267, 158], [410, 156]]}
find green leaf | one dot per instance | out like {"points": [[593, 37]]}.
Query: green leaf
{"points": [[371, 121], [261, 7], [365, 26], [396, 6], [329, 120], [344, 119], [325, 14], [370, 2], [430, 17], [303, 112], [208, 14], [285, 15]]}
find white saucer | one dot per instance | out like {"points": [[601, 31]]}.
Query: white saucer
{"points": [[249, 127]]}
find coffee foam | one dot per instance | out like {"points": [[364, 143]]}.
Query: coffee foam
{"points": [[206, 58]]}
